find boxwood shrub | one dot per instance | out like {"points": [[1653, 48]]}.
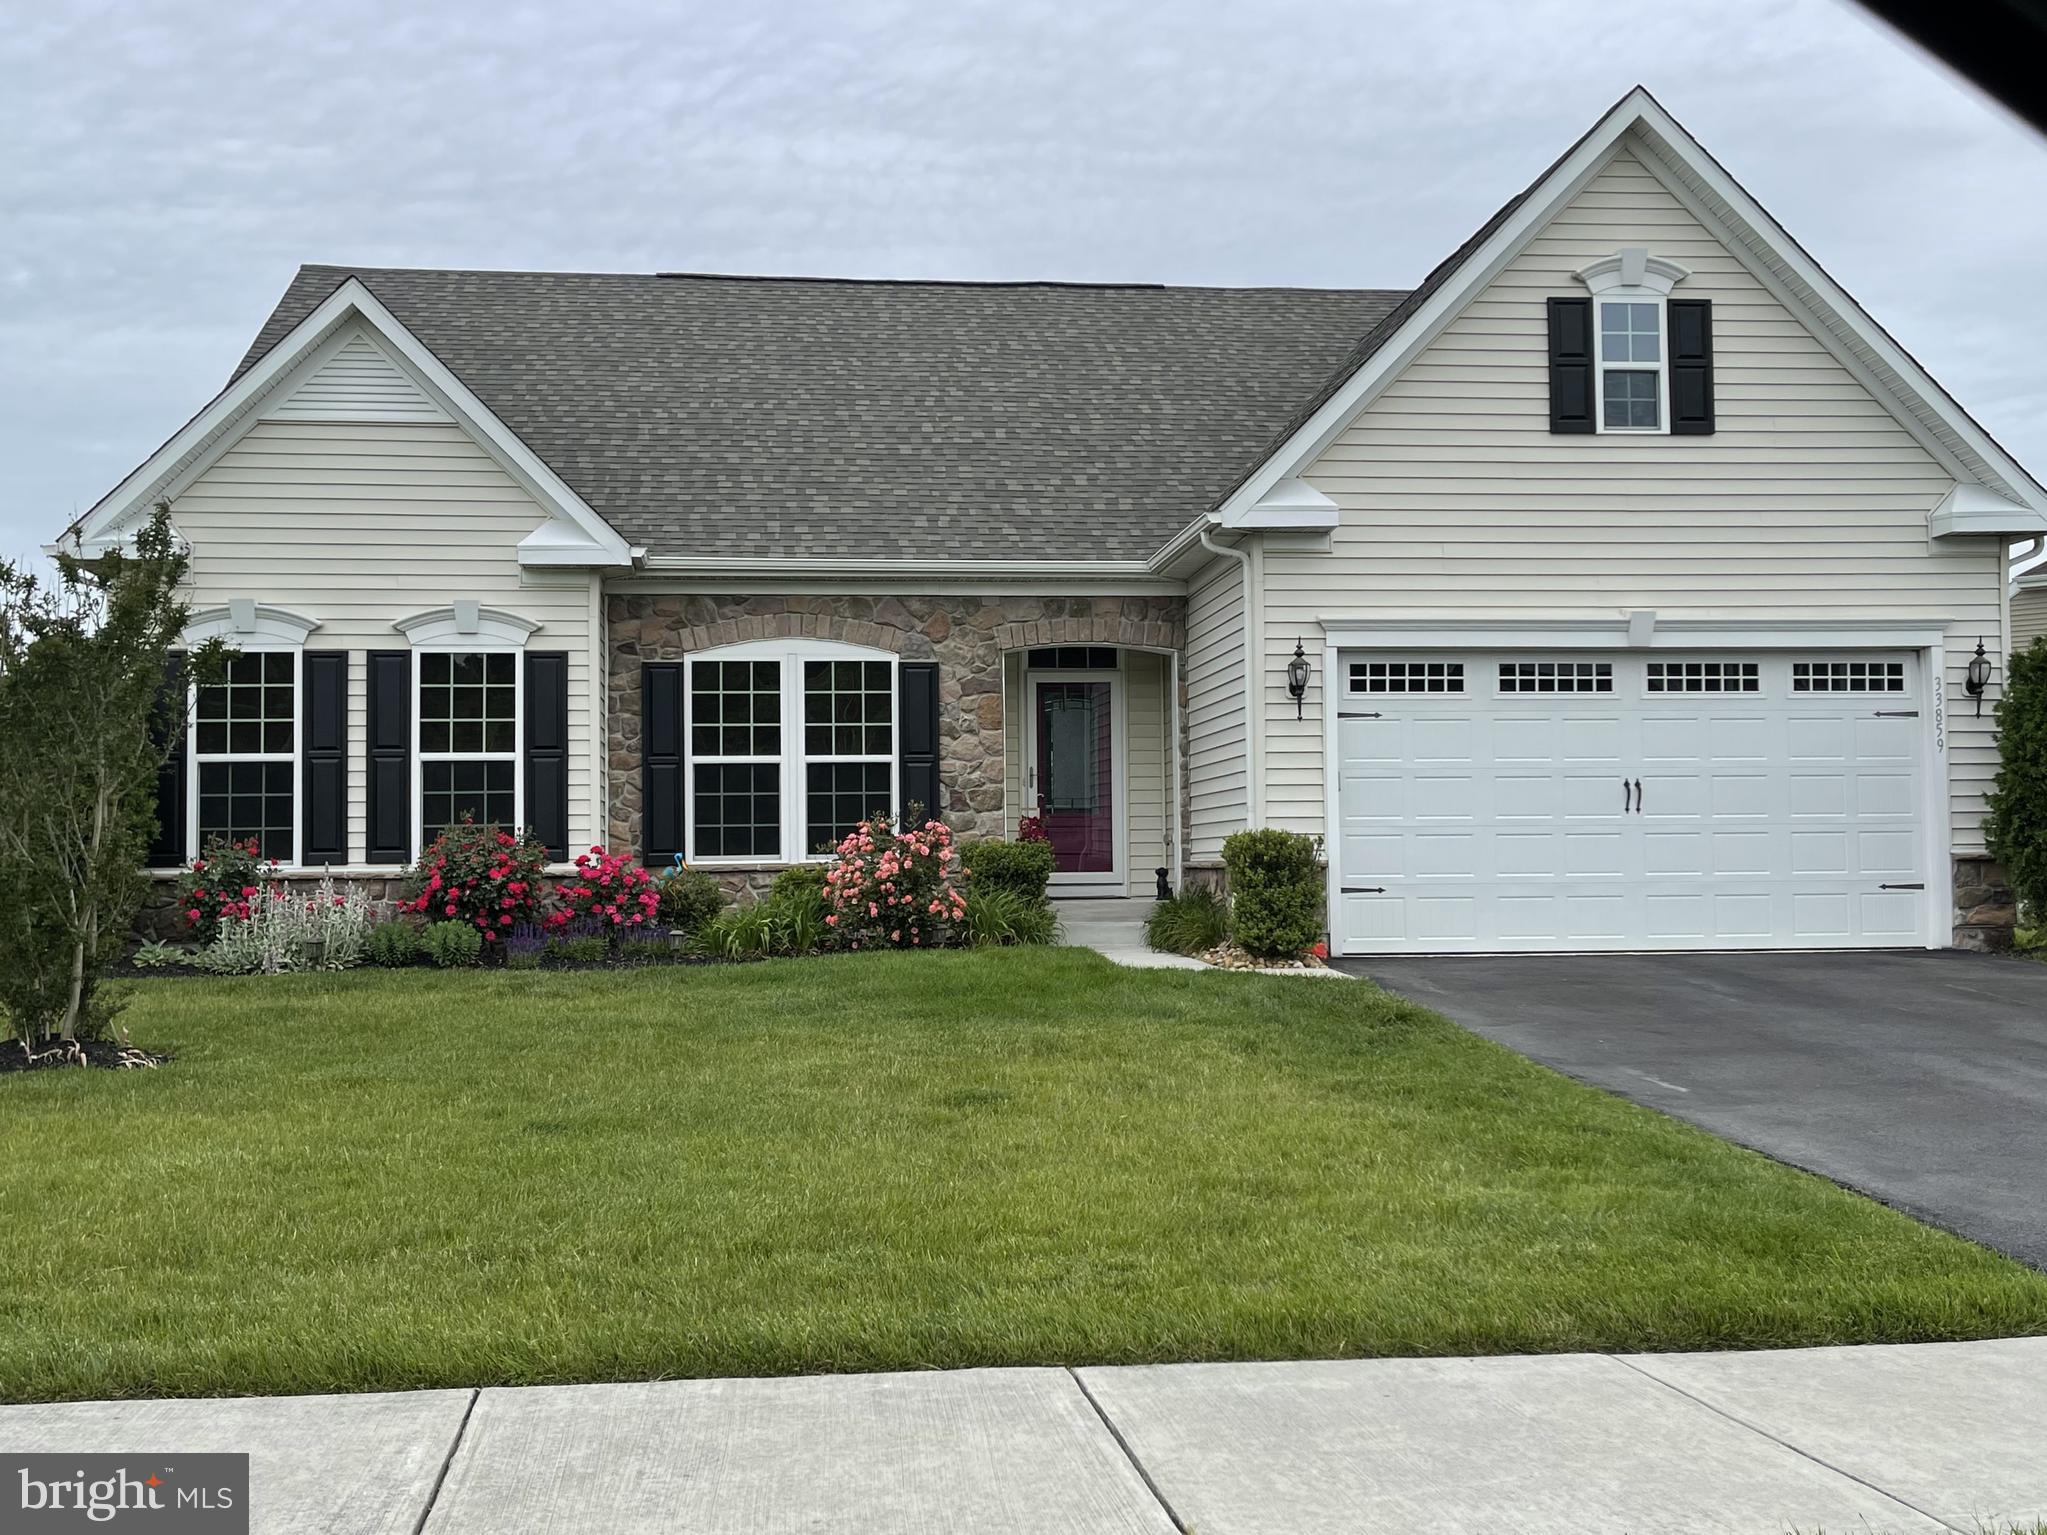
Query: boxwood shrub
{"points": [[1276, 891], [1024, 867]]}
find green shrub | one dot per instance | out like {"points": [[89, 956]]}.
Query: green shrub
{"points": [[689, 899], [157, 956], [781, 925], [1000, 916], [393, 944], [798, 880], [452, 945], [2016, 826], [1276, 891], [1192, 922], [522, 959], [1025, 867], [584, 949]]}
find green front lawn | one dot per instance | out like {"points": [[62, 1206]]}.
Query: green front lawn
{"points": [[385, 1180]]}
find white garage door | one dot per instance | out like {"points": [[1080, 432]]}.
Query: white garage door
{"points": [[1517, 802]]}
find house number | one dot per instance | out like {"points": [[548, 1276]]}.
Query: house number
{"points": [[1939, 715]]}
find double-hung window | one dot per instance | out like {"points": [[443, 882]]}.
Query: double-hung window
{"points": [[1633, 377], [245, 754], [792, 744], [468, 738]]}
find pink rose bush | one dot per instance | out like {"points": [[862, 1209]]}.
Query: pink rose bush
{"points": [[609, 890], [482, 876], [892, 889]]}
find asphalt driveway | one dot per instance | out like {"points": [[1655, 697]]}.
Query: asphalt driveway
{"points": [[1919, 1078]]}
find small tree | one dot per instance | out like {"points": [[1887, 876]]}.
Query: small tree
{"points": [[82, 669], [2016, 827]]}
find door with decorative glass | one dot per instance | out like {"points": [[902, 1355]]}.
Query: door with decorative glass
{"points": [[1073, 752]]}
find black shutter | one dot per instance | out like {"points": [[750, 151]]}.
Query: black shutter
{"points": [[390, 756], [917, 738], [547, 750], [167, 729], [1691, 367], [323, 815], [660, 761], [1570, 365]]}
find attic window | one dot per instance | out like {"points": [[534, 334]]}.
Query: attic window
{"points": [[1630, 360]]}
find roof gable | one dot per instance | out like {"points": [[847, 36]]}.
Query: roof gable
{"points": [[396, 373], [1638, 124]]}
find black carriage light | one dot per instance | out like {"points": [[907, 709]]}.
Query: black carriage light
{"points": [[1297, 677], [1979, 676]]}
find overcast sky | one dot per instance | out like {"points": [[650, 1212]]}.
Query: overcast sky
{"points": [[163, 169]]}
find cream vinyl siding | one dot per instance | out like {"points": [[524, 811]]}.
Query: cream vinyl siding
{"points": [[1810, 501], [358, 524], [1216, 744], [1145, 750], [2028, 616]]}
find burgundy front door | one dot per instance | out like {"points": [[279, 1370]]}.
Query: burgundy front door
{"points": [[1076, 774]]}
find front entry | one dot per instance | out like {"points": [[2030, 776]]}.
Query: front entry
{"points": [[1073, 772]]}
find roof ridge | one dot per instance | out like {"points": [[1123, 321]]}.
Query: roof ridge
{"points": [[857, 282]]}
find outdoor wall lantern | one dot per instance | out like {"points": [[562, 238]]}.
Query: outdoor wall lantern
{"points": [[1979, 676], [1297, 677]]}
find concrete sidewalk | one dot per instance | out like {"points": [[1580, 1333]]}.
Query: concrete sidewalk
{"points": [[1925, 1437]]}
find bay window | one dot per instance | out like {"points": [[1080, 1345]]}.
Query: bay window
{"points": [[792, 744]]}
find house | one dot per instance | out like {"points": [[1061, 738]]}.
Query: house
{"points": [[2028, 607], [1629, 572]]}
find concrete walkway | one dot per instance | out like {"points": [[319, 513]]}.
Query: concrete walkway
{"points": [[1927, 1437], [1115, 930]]}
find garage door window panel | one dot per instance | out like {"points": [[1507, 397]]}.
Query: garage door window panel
{"points": [[1847, 676], [1666, 677], [1556, 676], [1392, 677]]}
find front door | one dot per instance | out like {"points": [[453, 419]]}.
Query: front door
{"points": [[1073, 774]]}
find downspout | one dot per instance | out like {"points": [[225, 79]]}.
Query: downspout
{"points": [[1254, 732]]}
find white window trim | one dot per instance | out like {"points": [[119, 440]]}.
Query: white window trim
{"points": [[420, 758], [793, 760], [194, 759], [1600, 366]]}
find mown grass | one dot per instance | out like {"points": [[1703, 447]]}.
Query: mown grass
{"points": [[383, 1180]]}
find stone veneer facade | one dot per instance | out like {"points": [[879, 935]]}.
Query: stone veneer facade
{"points": [[1986, 909], [967, 636]]}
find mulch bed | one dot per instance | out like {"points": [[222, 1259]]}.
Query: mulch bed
{"points": [[107, 1054]]}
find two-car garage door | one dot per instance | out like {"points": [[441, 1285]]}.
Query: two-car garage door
{"points": [[1505, 802]]}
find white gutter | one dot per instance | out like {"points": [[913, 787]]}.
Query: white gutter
{"points": [[1254, 733]]}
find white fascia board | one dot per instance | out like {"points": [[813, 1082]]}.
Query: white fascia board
{"points": [[1313, 436], [1879, 362], [1926, 408], [208, 434], [1970, 510], [1612, 634]]}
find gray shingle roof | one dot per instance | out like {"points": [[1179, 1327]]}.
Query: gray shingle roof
{"points": [[776, 417]]}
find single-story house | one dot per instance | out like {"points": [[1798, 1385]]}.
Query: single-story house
{"points": [[1613, 589]]}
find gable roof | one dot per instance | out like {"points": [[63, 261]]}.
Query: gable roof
{"points": [[571, 533], [770, 418], [2004, 497]]}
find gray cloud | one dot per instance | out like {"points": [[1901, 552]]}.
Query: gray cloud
{"points": [[166, 168]]}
